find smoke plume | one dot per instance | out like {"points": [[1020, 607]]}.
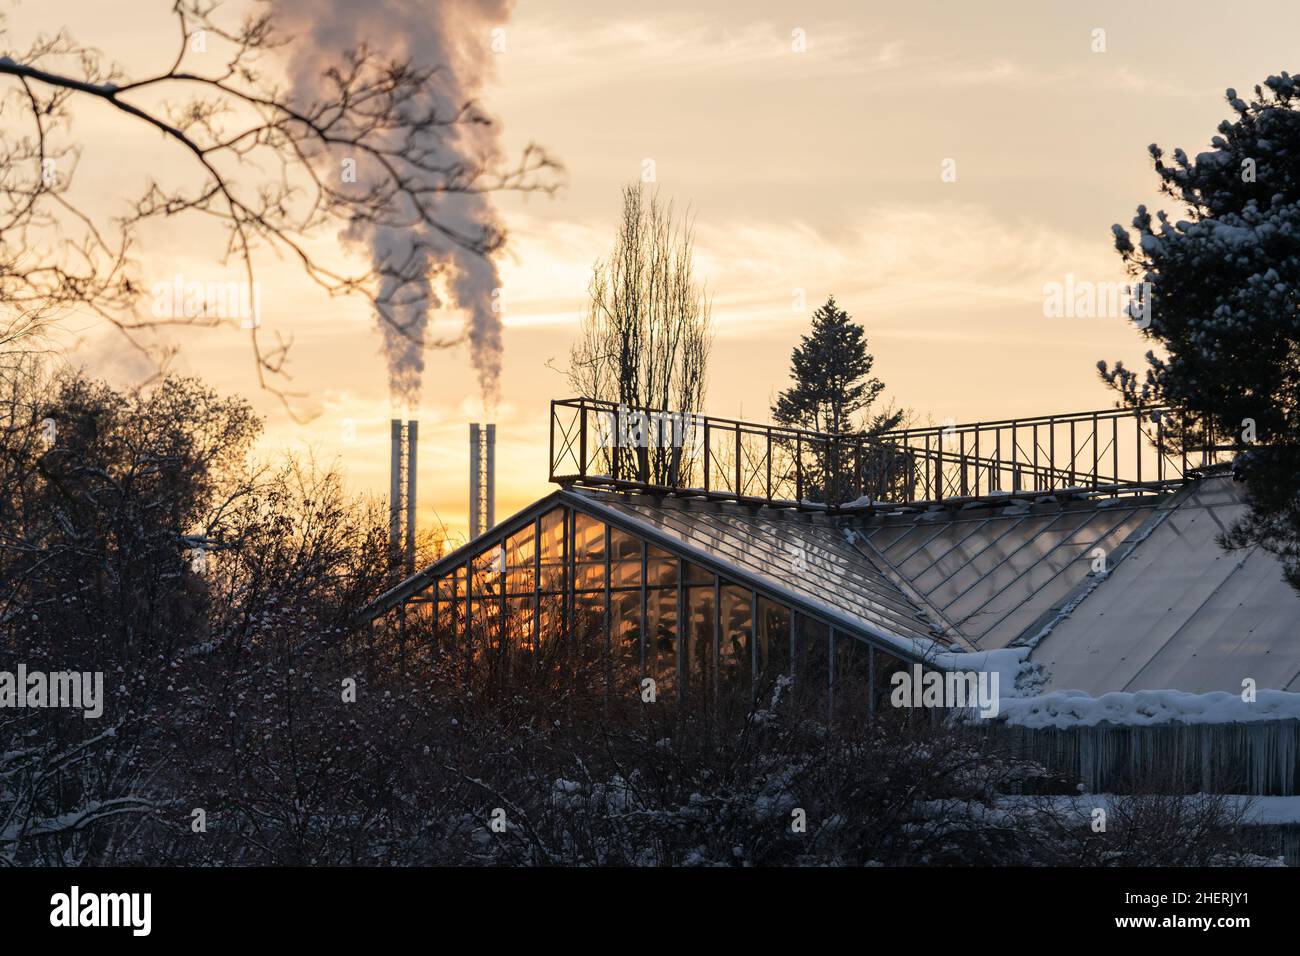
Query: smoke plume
{"points": [[418, 260]]}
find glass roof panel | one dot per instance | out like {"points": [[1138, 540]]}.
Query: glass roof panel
{"points": [[1180, 612], [993, 572], [807, 556]]}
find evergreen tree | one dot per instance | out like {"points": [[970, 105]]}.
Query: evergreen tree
{"points": [[1223, 288], [831, 369], [833, 392]]}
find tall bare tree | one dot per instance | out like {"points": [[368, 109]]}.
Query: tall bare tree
{"points": [[646, 338]]}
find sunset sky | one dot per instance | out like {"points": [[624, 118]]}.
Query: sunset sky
{"points": [[817, 171]]}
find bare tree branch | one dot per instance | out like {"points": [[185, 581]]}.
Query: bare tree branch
{"points": [[273, 172]]}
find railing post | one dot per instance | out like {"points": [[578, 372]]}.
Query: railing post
{"points": [[1074, 453], [859, 479], [1038, 479], [798, 468], [933, 491], [1051, 453], [1015, 460], [1160, 446], [769, 469], [707, 455], [615, 449], [676, 452], [911, 472], [551, 452], [1186, 432], [738, 485], [830, 474], [582, 440], [997, 460], [1137, 423], [1114, 446], [891, 463], [961, 464], [1094, 451]]}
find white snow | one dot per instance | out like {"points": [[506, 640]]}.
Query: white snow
{"points": [[1073, 708], [1256, 811], [1009, 663]]}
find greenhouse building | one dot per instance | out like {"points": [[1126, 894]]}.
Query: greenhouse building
{"points": [[1076, 554]]}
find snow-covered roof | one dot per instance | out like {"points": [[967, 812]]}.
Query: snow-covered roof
{"points": [[1179, 612]]}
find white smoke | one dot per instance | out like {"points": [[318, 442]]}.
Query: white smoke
{"points": [[455, 37]]}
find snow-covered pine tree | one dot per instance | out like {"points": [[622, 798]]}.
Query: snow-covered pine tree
{"points": [[1224, 287]]}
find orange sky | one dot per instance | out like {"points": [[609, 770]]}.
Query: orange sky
{"points": [[817, 171]]}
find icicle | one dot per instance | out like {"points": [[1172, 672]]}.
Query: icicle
{"points": [[1259, 758]]}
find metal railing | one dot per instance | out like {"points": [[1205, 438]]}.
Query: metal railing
{"points": [[1114, 451]]}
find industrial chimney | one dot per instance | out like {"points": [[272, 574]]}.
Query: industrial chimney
{"points": [[402, 494], [482, 478]]}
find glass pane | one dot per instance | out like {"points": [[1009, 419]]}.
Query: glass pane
{"points": [[589, 642], [694, 574], [886, 667], [589, 552], [552, 652], [805, 556], [447, 628], [487, 649], [661, 567], [521, 549], [735, 662], [773, 646], [851, 684], [553, 550], [661, 652], [625, 559], [488, 568], [812, 665], [519, 633], [700, 644], [625, 642]]}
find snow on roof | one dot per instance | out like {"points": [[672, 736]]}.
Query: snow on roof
{"points": [[1073, 708]]}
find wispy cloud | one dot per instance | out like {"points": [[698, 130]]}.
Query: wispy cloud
{"points": [[762, 275], [680, 49], [895, 259]]}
